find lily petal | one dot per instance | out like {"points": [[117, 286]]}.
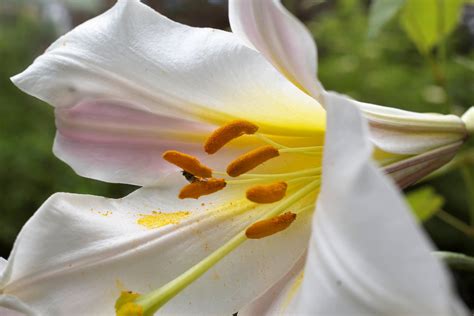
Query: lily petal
{"points": [[83, 250], [367, 256], [404, 132], [280, 298], [134, 54], [273, 31], [113, 141]]}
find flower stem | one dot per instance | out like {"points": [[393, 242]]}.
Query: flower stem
{"points": [[467, 176], [456, 223], [152, 301], [456, 261]]}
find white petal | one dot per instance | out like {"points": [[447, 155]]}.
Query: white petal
{"points": [[404, 132], [367, 256], [132, 53], [77, 252], [12, 306], [268, 27], [112, 141], [280, 298]]}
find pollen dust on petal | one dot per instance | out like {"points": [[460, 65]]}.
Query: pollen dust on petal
{"points": [[159, 219]]}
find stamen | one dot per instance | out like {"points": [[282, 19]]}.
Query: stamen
{"points": [[267, 193], [250, 160], [226, 133], [268, 227], [201, 187], [188, 163]]}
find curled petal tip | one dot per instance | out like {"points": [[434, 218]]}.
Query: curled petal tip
{"points": [[468, 119]]}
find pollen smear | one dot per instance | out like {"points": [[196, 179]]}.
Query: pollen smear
{"points": [[268, 227], [125, 305], [201, 187], [226, 133], [250, 160], [267, 193], [188, 163]]}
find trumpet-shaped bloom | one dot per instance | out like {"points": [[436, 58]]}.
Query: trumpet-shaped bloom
{"points": [[366, 255], [137, 95]]}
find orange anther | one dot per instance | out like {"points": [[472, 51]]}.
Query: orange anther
{"points": [[188, 163], [250, 160], [268, 227], [226, 133], [267, 193], [201, 187]]}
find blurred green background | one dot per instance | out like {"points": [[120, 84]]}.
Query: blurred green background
{"points": [[387, 69]]}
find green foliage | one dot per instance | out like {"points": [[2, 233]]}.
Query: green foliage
{"points": [[427, 22], [381, 11], [424, 202]]}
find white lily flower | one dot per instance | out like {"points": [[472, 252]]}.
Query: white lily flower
{"points": [[130, 84], [129, 87], [366, 255]]}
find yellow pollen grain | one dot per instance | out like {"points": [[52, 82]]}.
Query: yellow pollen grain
{"points": [[201, 187], [188, 163], [267, 193], [226, 133], [268, 227], [251, 160], [159, 219]]}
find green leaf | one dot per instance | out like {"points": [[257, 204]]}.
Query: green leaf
{"points": [[427, 22], [424, 202], [381, 11]]}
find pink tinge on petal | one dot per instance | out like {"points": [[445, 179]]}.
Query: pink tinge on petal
{"points": [[115, 141]]}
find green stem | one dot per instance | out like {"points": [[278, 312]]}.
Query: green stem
{"points": [[455, 223], [152, 301], [456, 261], [466, 173]]}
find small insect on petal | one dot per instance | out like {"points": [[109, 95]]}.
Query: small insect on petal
{"points": [[202, 187], [188, 163], [250, 160], [267, 193], [268, 227], [226, 133]]}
